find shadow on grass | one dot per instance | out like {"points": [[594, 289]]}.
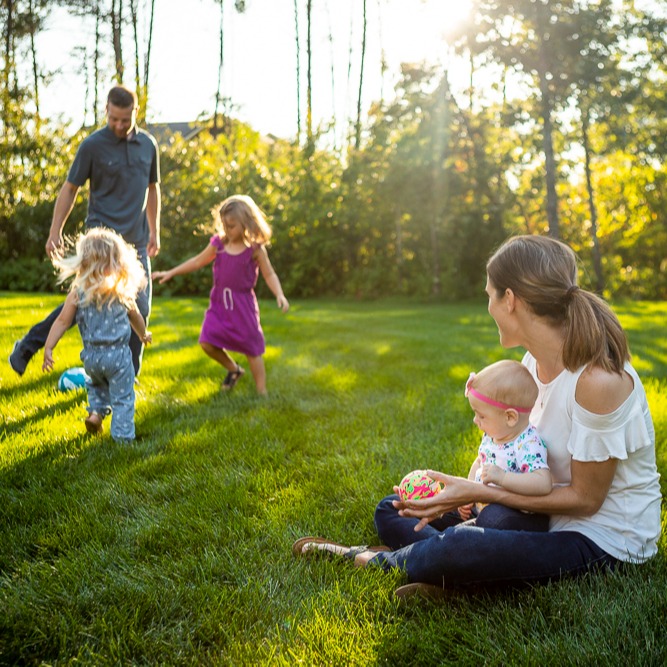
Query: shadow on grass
{"points": [[74, 399]]}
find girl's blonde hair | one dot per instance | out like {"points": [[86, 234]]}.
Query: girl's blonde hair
{"points": [[508, 382], [542, 272], [244, 210], [105, 268]]}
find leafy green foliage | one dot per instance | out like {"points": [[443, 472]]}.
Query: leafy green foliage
{"points": [[441, 178]]}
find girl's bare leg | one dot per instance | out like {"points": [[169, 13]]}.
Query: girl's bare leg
{"points": [[220, 355], [258, 371]]}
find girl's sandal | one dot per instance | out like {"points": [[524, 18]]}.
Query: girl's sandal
{"points": [[232, 378]]}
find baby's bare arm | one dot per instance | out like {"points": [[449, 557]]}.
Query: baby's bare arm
{"points": [[536, 483]]}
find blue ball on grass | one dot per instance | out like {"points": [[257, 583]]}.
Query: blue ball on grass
{"points": [[73, 379]]}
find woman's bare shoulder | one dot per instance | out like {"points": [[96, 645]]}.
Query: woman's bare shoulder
{"points": [[601, 392]]}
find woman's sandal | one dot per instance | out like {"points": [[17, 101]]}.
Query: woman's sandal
{"points": [[232, 378], [350, 554]]}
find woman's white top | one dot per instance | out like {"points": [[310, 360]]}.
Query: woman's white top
{"points": [[627, 526]]}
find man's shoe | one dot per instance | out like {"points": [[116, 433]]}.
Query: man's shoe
{"points": [[19, 358]]}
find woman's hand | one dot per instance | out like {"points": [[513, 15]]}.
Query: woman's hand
{"points": [[457, 493]]}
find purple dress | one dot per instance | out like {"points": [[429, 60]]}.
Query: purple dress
{"points": [[232, 319]]}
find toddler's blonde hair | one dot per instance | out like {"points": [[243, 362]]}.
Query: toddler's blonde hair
{"points": [[508, 382], [244, 210], [105, 268]]}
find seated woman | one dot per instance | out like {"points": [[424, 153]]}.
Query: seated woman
{"points": [[594, 418]]}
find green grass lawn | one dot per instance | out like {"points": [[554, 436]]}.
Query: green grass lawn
{"points": [[176, 549]]}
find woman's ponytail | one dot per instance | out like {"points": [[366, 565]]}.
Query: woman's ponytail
{"points": [[542, 272]]}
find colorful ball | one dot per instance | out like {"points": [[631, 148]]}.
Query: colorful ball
{"points": [[73, 379], [417, 485]]}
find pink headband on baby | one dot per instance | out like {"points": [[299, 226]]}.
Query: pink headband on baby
{"points": [[496, 404]]}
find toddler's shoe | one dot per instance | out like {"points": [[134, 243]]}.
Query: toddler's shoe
{"points": [[94, 422]]}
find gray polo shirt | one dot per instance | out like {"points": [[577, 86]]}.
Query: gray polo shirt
{"points": [[120, 171]]}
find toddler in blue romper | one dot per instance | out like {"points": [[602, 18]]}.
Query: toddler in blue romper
{"points": [[107, 359], [107, 278]]}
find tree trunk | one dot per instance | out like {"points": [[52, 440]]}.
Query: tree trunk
{"points": [[137, 69], [439, 178], [84, 70], [221, 60], [333, 77], [549, 160], [597, 258], [348, 81], [147, 62], [298, 72], [5, 91], [384, 66], [35, 71], [96, 64], [357, 129], [547, 134], [9, 56], [116, 27], [309, 78]]}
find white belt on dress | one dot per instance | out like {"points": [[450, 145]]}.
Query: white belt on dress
{"points": [[227, 299]]}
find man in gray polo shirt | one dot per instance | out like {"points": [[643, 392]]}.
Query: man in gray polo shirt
{"points": [[121, 162]]}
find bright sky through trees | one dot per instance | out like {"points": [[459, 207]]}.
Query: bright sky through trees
{"points": [[260, 57]]}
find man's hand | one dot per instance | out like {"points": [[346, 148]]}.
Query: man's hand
{"points": [[61, 211], [153, 247], [53, 245]]}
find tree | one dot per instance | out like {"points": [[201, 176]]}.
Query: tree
{"points": [[535, 38], [362, 58], [592, 76], [309, 75], [298, 71], [147, 61], [221, 61], [117, 37]]}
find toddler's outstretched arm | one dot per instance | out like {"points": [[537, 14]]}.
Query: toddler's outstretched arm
{"points": [[58, 328], [205, 257], [271, 278]]}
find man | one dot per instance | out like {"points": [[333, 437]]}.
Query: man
{"points": [[121, 162]]}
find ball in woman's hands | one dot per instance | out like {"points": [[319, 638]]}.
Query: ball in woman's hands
{"points": [[417, 485]]}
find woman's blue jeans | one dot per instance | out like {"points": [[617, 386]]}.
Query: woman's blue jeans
{"points": [[491, 552]]}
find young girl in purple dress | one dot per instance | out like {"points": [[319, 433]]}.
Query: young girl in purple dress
{"points": [[232, 322]]}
